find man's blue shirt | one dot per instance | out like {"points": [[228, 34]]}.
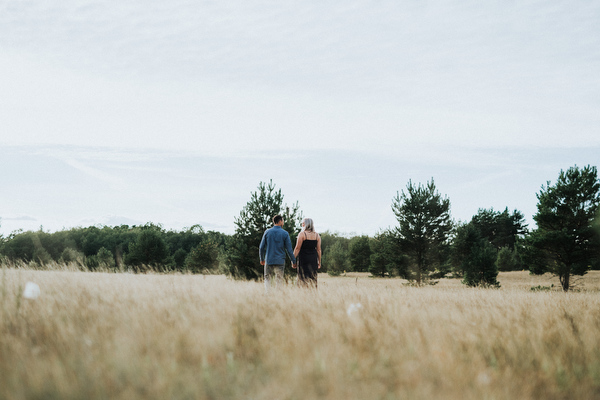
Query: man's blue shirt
{"points": [[273, 246]]}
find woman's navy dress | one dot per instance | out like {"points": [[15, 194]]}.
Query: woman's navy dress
{"points": [[308, 262]]}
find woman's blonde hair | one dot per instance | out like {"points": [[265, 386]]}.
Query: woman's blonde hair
{"points": [[308, 224]]}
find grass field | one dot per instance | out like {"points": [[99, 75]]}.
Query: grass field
{"points": [[153, 336]]}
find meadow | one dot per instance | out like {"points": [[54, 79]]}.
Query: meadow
{"points": [[174, 336]]}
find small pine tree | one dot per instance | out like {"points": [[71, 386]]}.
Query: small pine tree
{"points": [[41, 256], [70, 255], [480, 266], [202, 257], [149, 249], [379, 264], [360, 253], [179, 258], [507, 259], [254, 219], [336, 259], [424, 225], [467, 237], [105, 258]]}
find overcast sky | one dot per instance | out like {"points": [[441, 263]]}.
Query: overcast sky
{"points": [[173, 112]]}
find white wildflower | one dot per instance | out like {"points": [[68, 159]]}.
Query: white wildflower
{"points": [[352, 308], [484, 379], [32, 291]]}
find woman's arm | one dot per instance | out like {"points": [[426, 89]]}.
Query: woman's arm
{"points": [[319, 249], [299, 241]]}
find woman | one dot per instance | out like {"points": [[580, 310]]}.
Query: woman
{"points": [[308, 254]]}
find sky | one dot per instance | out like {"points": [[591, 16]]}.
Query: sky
{"points": [[174, 112]]}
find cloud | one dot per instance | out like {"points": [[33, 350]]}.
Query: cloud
{"points": [[248, 75], [96, 173], [210, 98], [341, 42], [110, 220], [344, 191], [19, 218]]}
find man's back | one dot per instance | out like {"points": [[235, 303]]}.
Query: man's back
{"points": [[273, 246]]}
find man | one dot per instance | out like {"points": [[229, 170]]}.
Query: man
{"points": [[273, 246]]}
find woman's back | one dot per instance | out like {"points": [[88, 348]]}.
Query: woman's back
{"points": [[309, 245]]}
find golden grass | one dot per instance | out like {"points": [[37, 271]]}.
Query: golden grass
{"points": [[126, 336]]}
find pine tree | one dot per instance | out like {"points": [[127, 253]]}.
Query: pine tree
{"points": [[565, 242], [360, 253], [424, 226], [480, 267], [255, 218]]}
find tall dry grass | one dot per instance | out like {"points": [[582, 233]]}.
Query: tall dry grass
{"points": [[127, 336]]}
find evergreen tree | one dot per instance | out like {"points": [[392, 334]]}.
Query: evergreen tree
{"points": [[501, 229], [507, 260], [386, 258], [467, 237], [185, 240], [424, 226], [19, 246], [149, 250], [255, 218], [360, 253], [329, 239], [336, 258], [106, 259], [70, 255], [565, 242], [202, 257], [480, 265], [179, 257]]}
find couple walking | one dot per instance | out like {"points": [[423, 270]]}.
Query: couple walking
{"points": [[306, 256]]}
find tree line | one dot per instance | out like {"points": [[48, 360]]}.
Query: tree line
{"points": [[425, 245], [138, 248]]}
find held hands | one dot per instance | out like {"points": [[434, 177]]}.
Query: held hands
{"points": [[262, 263], [295, 265]]}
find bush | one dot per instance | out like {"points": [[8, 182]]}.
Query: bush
{"points": [[41, 256], [480, 266], [105, 258], [360, 253], [70, 255], [507, 260], [336, 259], [205, 256], [179, 258], [149, 249]]}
